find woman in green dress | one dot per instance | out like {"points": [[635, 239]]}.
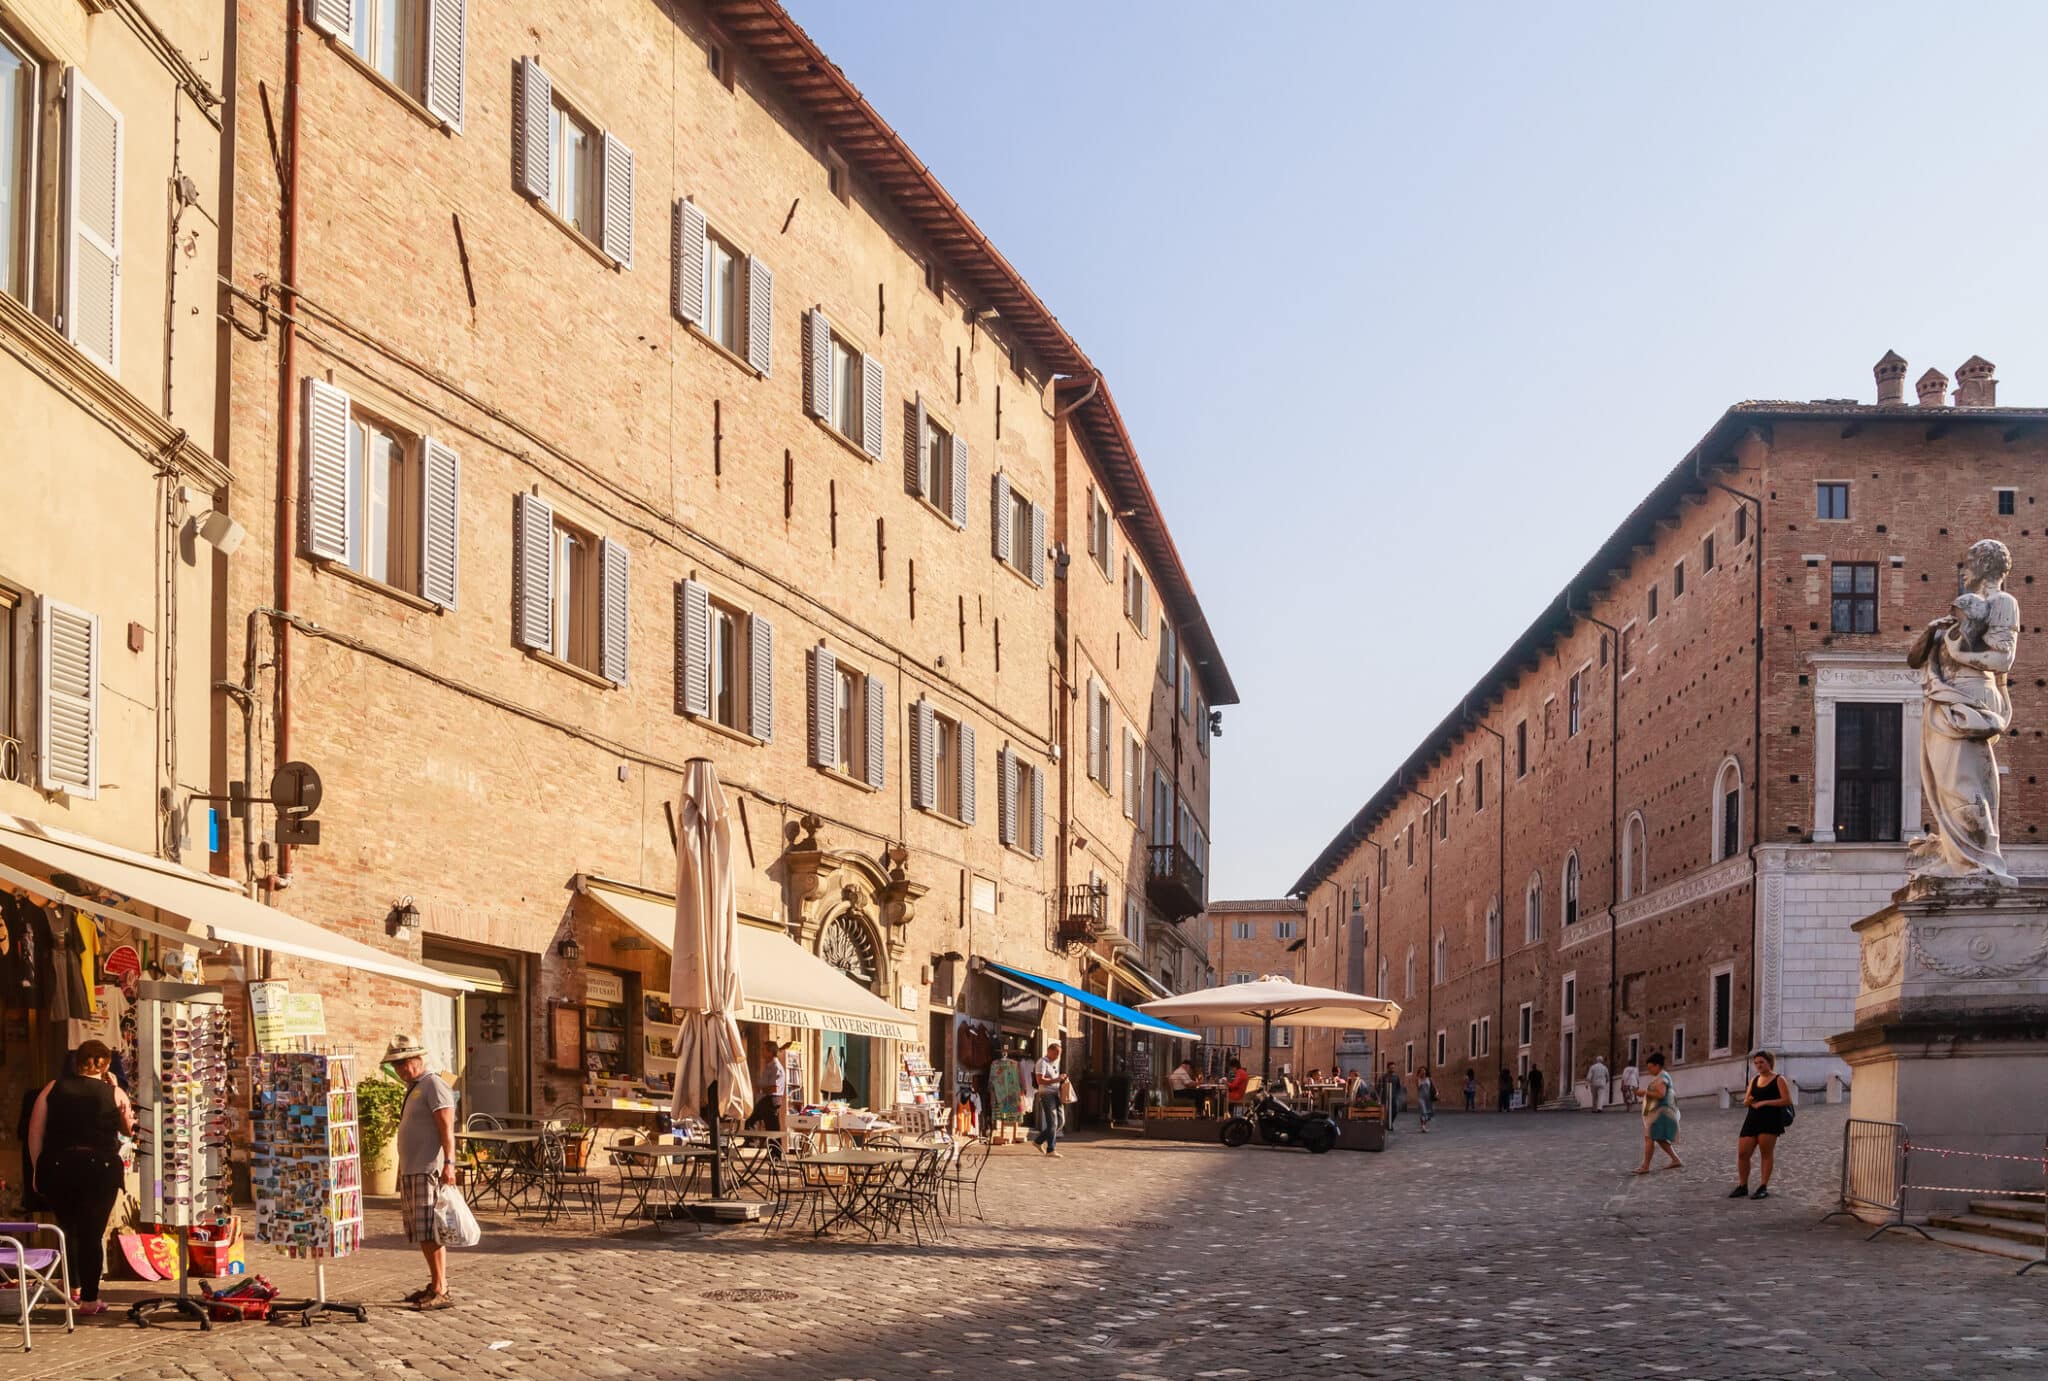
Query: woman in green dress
{"points": [[1660, 1115]]}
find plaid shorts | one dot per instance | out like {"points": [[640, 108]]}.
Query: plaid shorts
{"points": [[419, 1196]]}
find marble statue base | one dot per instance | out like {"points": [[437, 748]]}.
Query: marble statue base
{"points": [[1951, 1034]]}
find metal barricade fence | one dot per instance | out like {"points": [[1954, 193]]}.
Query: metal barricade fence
{"points": [[1878, 1171]]}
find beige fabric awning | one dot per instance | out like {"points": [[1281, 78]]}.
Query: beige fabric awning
{"points": [[192, 907], [781, 983]]}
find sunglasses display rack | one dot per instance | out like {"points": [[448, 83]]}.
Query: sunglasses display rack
{"points": [[185, 1057], [307, 1171]]}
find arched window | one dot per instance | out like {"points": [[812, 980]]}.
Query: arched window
{"points": [[1493, 929], [1381, 986], [1408, 977], [1635, 863], [1532, 926], [1727, 840], [1571, 888], [1443, 959]]}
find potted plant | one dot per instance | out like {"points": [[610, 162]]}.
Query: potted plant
{"points": [[575, 1137], [379, 1101]]}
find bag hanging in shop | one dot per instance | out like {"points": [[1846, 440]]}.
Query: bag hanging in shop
{"points": [[1067, 1094], [457, 1223]]}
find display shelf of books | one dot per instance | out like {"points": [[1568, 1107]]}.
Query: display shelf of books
{"points": [[307, 1171]]}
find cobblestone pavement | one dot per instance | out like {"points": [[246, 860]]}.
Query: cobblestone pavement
{"points": [[1510, 1246]]}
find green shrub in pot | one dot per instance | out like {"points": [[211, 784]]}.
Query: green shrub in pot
{"points": [[379, 1101]]}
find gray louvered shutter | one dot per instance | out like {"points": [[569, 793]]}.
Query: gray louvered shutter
{"points": [[447, 22], [924, 753], [617, 230], [533, 572], [335, 18], [615, 576], [330, 522], [693, 649], [1006, 796], [817, 365], [440, 522], [1094, 727], [1037, 811], [533, 97], [92, 185], [824, 707], [965, 767], [871, 405], [875, 757], [999, 524], [68, 735], [1037, 553], [686, 258], [760, 315], [761, 678], [913, 449], [960, 482]]}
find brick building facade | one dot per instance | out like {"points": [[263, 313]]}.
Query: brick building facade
{"points": [[1636, 833], [611, 387], [1248, 939]]}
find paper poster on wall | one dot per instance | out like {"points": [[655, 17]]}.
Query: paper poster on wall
{"points": [[267, 1014], [1006, 1090], [304, 1015]]}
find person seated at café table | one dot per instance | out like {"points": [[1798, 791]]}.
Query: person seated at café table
{"points": [[1180, 1083], [1239, 1079]]}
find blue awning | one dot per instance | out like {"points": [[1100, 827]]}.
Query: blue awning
{"points": [[1113, 1012]]}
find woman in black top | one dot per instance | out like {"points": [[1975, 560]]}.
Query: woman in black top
{"points": [[74, 1142], [1769, 1100]]}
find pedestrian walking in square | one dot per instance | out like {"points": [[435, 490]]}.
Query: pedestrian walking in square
{"points": [[1769, 1100], [1535, 1088], [1507, 1091], [1391, 1094], [1630, 1080], [426, 1163], [1045, 1093], [1660, 1116], [1471, 1091], [1425, 1099], [1596, 1079]]}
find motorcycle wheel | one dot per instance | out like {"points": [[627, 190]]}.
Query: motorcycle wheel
{"points": [[1319, 1137], [1236, 1132]]}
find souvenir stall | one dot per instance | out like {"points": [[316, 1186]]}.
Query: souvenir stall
{"points": [[307, 1166]]}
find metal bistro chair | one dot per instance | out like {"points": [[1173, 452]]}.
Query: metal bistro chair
{"points": [[962, 1179], [557, 1184], [29, 1273], [636, 1176], [912, 1192]]}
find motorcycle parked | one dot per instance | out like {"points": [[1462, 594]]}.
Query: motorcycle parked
{"points": [[1279, 1125]]}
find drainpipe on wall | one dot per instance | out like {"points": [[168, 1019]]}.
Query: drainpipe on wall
{"points": [[1429, 931], [1500, 959], [1379, 855], [287, 407], [1613, 831]]}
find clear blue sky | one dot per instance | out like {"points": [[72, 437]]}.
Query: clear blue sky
{"points": [[1407, 306]]}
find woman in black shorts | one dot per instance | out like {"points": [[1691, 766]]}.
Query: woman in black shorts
{"points": [[1769, 1100]]}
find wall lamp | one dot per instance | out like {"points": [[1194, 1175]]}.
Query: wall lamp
{"points": [[403, 920]]}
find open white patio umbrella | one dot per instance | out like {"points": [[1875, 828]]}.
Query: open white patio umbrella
{"points": [[704, 971], [1275, 1001]]}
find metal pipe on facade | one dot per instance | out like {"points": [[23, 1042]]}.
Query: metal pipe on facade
{"points": [[1379, 855], [1500, 902], [287, 400], [1429, 927], [1613, 833]]}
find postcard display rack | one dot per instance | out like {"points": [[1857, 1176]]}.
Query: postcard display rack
{"points": [[307, 1170], [184, 1056]]}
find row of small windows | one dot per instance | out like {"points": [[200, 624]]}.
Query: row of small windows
{"points": [[1831, 501]]}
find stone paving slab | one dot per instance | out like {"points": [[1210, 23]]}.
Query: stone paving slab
{"points": [[1494, 1247]]}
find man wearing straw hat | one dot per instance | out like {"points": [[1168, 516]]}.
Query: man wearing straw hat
{"points": [[426, 1161]]}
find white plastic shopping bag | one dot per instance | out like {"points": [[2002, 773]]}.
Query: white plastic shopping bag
{"points": [[458, 1224]]}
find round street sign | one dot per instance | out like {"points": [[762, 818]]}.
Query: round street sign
{"points": [[295, 789]]}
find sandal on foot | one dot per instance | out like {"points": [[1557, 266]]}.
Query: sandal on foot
{"points": [[433, 1302], [1741, 1191], [424, 1292]]}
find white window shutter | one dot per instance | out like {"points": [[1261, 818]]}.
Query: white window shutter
{"points": [[924, 748], [999, 504], [760, 315], [874, 758], [871, 405], [1037, 553], [824, 707], [447, 22], [686, 257], [965, 766], [617, 229], [1037, 811], [693, 649], [533, 572], [440, 522], [331, 520], [615, 577], [913, 450], [1094, 729], [335, 18], [817, 365], [761, 679], [959, 459], [92, 200], [533, 97], [1006, 796], [68, 732]]}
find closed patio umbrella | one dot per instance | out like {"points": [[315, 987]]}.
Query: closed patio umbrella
{"points": [[704, 972], [1275, 1001]]}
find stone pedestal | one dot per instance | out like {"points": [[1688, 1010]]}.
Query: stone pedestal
{"points": [[1951, 1034]]}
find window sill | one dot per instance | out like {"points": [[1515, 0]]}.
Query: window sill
{"points": [[368, 582], [943, 515], [549, 659], [935, 813], [843, 439], [391, 88], [718, 346], [725, 730], [836, 775], [1025, 576], [592, 247]]}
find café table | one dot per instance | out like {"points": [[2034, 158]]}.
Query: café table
{"points": [[672, 1170], [852, 1180], [498, 1152]]}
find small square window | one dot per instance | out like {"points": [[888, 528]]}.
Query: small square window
{"points": [[1853, 607], [1653, 604], [1707, 553], [2006, 498], [934, 277], [837, 181], [1831, 501]]}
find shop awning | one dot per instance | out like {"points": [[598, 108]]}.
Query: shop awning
{"points": [[1114, 1013], [783, 984], [190, 907], [1139, 979]]}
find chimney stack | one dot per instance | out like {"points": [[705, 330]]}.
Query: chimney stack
{"points": [[1933, 389], [1975, 388], [1891, 378]]}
